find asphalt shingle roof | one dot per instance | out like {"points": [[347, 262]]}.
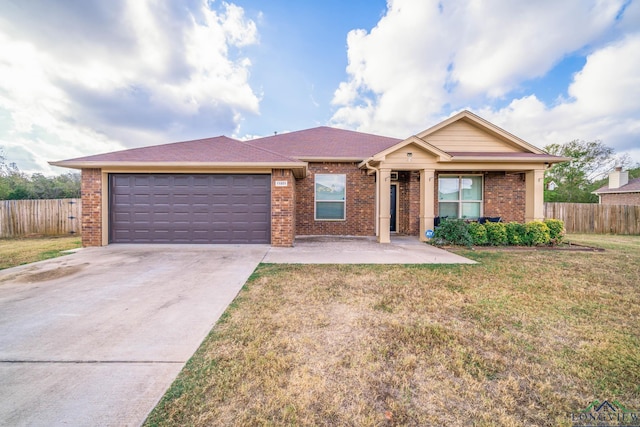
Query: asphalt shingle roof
{"points": [[631, 187], [320, 143], [219, 149], [326, 142]]}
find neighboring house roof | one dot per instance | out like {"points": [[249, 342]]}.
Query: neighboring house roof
{"points": [[633, 186]]}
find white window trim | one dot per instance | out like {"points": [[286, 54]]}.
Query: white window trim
{"points": [[315, 201], [460, 201]]}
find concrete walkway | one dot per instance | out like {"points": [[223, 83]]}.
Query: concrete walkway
{"points": [[96, 338], [361, 250]]}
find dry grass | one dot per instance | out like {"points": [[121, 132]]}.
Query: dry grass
{"points": [[524, 338], [15, 252]]}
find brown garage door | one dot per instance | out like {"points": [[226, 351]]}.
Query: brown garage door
{"points": [[181, 208]]}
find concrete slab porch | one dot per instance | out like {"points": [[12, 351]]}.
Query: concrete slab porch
{"points": [[361, 250]]}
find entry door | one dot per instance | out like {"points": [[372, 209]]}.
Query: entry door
{"points": [[392, 220]]}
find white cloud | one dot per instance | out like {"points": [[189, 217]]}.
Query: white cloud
{"points": [[609, 83], [77, 80], [604, 104], [422, 62]]}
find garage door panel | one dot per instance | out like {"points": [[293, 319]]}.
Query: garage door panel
{"points": [[182, 208]]}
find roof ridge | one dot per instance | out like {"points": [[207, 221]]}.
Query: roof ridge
{"points": [[269, 151], [325, 127]]}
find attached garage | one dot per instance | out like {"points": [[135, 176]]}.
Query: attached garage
{"points": [[189, 208]]}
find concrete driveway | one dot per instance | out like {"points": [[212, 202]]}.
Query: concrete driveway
{"points": [[95, 338]]}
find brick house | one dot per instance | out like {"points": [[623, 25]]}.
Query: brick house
{"points": [[320, 181], [620, 190]]}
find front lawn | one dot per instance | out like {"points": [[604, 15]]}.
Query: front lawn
{"points": [[523, 338], [15, 252]]}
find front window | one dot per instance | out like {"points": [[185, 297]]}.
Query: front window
{"points": [[330, 196], [460, 196]]}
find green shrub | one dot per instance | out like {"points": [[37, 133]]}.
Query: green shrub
{"points": [[496, 233], [536, 234], [478, 234], [453, 231], [515, 233], [556, 230]]}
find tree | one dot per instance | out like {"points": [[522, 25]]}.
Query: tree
{"points": [[590, 160], [17, 185]]}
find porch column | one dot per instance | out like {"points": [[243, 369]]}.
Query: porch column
{"points": [[384, 213], [427, 209], [534, 202]]}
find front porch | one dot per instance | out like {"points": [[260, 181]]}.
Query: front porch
{"points": [[501, 194], [414, 198], [465, 167]]}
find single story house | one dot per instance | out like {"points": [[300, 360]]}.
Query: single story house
{"points": [[620, 190], [320, 181]]}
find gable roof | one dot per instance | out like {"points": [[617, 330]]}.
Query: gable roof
{"points": [[526, 153], [498, 132], [633, 186], [441, 155]]}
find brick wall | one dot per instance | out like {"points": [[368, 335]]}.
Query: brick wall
{"points": [[409, 204], [620, 199], [283, 211], [504, 195], [360, 204], [91, 207]]}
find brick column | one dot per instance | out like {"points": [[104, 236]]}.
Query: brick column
{"points": [[282, 207], [91, 207]]}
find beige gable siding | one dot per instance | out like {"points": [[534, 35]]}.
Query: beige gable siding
{"points": [[463, 136], [400, 160]]}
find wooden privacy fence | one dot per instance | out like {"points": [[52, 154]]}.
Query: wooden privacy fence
{"points": [[593, 218], [46, 217]]}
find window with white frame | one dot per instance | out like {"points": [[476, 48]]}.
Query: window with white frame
{"points": [[330, 193], [460, 196]]}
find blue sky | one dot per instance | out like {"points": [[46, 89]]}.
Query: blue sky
{"points": [[80, 78]]}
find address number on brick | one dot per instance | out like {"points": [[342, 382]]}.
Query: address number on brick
{"points": [[282, 183]]}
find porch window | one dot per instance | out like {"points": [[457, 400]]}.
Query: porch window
{"points": [[460, 196], [330, 196]]}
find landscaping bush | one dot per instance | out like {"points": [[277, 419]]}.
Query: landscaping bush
{"points": [[453, 231], [478, 234], [536, 234], [515, 233], [556, 230], [496, 233]]}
